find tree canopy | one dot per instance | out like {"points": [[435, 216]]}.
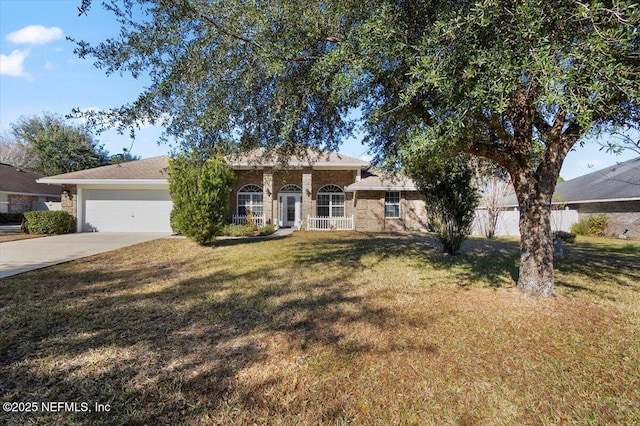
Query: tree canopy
{"points": [[518, 82], [55, 146]]}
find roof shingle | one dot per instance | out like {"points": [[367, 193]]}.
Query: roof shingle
{"points": [[19, 181], [149, 168]]}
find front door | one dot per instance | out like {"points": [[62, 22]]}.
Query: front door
{"points": [[290, 210]]}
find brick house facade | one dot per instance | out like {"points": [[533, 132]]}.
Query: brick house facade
{"points": [[317, 191], [324, 191], [19, 191]]}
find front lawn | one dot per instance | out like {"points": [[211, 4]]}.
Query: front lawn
{"points": [[6, 237], [324, 328]]}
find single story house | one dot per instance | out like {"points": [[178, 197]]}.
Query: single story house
{"points": [[315, 191], [614, 191], [20, 191]]}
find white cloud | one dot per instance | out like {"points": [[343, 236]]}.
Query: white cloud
{"points": [[35, 34], [13, 63], [50, 66]]}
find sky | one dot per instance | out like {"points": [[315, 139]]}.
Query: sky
{"points": [[39, 73]]}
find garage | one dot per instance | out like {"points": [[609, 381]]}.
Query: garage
{"points": [[126, 210]]}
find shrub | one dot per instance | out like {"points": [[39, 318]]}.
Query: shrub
{"points": [[595, 225], [581, 227], [49, 222], [267, 230], [247, 231], [566, 237], [200, 193], [10, 218], [238, 230]]}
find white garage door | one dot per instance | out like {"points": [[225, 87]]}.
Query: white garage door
{"points": [[130, 210]]}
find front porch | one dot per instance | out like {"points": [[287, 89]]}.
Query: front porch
{"points": [[294, 198]]}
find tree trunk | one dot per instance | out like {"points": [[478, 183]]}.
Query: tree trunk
{"points": [[536, 248]]}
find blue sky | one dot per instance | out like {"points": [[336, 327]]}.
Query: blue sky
{"points": [[39, 73]]}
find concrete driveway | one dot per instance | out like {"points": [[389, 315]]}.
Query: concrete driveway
{"points": [[21, 256]]}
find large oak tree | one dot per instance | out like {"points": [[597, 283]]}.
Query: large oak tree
{"points": [[518, 82]]}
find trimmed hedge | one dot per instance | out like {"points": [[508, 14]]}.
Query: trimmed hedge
{"points": [[49, 222], [10, 218]]}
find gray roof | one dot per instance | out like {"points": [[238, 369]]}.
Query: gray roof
{"points": [[155, 168], [620, 182], [374, 180], [14, 180]]}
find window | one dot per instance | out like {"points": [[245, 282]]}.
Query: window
{"points": [[250, 200], [291, 188], [4, 203], [391, 205], [330, 201]]}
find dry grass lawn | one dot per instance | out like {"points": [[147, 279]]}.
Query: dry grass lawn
{"points": [[325, 328], [6, 237]]}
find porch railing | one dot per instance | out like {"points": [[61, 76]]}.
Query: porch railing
{"points": [[257, 221], [330, 223]]}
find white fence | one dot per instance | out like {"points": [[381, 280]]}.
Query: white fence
{"points": [[330, 223], [257, 221], [509, 222]]}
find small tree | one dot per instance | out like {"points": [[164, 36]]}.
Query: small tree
{"points": [[448, 185], [494, 185], [200, 192]]}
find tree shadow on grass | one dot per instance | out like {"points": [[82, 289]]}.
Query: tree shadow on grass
{"points": [[611, 271], [493, 262], [163, 349]]}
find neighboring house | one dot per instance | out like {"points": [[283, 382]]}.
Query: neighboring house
{"points": [[19, 191], [614, 191], [319, 191]]}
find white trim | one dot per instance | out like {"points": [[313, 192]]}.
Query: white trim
{"points": [[251, 202], [297, 223], [607, 200], [355, 188], [297, 166], [399, 204], [104, 181], [79, 208]]}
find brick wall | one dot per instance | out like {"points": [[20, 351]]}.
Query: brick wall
{"points": [[369, 212], [69, 200], [280, 178]]}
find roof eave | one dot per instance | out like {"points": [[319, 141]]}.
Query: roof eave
{"points": [[347, 166], [380, 188], [103, 181], [602, 200]]}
